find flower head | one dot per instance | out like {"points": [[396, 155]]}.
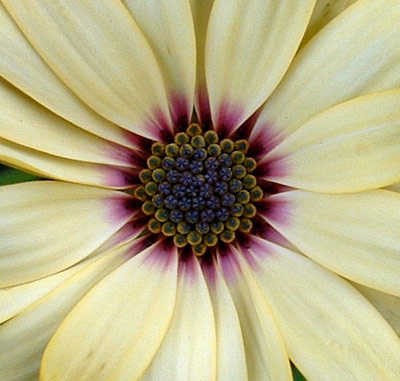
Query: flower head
{"points": [[223, 196]]}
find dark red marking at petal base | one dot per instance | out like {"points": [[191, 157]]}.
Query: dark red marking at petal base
{"points": [[272, 169], [269, 188], [133, 157], [131, 177], [276, 237], [181, 111], [245, 130], [278, 169], [262, 140], [141, 144], [264, 230], [228, 118], [117, 177], [119, 152], [138, 223], [121, 207], [259, 228], [203, 105], [209, 269], [162, 254], [275, 209], [160, 126], [246, 242], [188, 267], [138, 162], [256, 248], [223, 249], [229, 264], [186, 253], [139, 245], [128, 231], [210, 255], [244, 251]]}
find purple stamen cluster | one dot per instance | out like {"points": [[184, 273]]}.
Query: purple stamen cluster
{"points": [[199, 190]]}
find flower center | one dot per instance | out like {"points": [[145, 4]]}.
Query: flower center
{"points": [[199, 190]]}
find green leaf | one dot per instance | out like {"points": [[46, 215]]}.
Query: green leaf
{"points": [[297, 376], [11, 176]]}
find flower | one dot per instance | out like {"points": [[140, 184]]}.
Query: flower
{"points": [[215, 244]]}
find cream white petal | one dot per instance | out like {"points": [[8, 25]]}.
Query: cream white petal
{"points": [[98, 50], [131, 232], [354, 146], [15, 299], [168, 28], [22, 66], [54, 167], [265, 352], [231, 358], [387, 305], [331, 331], [201, 10], [188, 351], [355, 235], [324, 12], [48, 226], [249, 47], [25, 122], [120, 323], [24, 338], [356, 54]]}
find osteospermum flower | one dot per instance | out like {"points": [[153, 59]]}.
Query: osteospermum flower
{"points": [[224, 192]]}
